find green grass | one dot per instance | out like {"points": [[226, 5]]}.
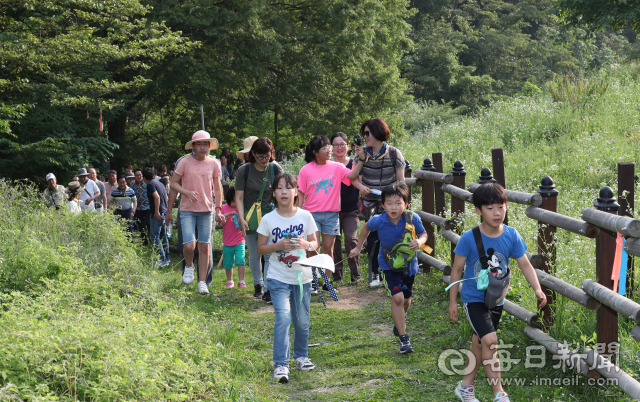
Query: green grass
{"points": [[84, 317]]}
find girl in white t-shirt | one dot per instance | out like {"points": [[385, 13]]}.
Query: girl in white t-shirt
{"points": [[286, 233]]}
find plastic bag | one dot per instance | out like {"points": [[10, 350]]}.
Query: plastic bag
{"points": [[483, 279]]}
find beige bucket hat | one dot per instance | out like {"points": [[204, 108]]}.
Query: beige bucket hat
{"points": [[247, 143], [201, 135]]}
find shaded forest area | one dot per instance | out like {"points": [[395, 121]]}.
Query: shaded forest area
{"points": [[285, 69]]}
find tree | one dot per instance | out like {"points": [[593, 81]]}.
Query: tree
{"points": [[61, 61], [311, 66], [599, 15], [471, 52]]}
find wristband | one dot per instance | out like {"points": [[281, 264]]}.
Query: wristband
{"points": [[220, 208]]}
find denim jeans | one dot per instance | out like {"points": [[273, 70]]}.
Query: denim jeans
{"points": [[196, 255], [254, 261], [200, 221], [158, 234], [286, 303]]}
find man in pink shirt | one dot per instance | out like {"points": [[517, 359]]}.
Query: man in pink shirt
{"points": [[194, 178]]}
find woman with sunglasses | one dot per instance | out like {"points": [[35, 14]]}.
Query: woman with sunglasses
{"points": [[349, 202], [319, 191], [249, 178], [380, 165]]}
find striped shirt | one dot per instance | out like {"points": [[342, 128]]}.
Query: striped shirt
{"points": [[124, 199], [376, 174]]}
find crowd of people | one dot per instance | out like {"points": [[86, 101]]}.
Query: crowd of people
{"points": [[283, 221]]}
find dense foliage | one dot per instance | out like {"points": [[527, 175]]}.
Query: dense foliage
{"points": [[599, 15], [288, 70], [473, 52]]}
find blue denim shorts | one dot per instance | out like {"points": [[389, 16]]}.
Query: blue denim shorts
{"points": [[191, 220], [327, 222]]}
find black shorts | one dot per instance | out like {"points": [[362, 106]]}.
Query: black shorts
{"points": [[396, 282], [483, 320]]}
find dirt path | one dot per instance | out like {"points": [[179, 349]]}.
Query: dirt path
{"points": [[350, 297]]}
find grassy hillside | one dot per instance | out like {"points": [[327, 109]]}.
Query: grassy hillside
{"points": [[83, 316]]}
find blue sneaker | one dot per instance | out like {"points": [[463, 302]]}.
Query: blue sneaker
{"points": [[405, 344]]}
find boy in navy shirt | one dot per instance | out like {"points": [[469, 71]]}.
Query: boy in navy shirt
{"points": [[500, 242], [392, 226]]}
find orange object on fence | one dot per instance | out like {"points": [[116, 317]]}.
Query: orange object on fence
{"points": [[615, 273]]}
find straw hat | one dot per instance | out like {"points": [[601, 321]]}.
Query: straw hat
{"points": [[201, 135], [247, 143], [75, 187]]}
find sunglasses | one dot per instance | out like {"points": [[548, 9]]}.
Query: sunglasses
{"points": [[367, 133]]}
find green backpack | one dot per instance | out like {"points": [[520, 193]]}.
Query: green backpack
{"points": [[399, 255]]}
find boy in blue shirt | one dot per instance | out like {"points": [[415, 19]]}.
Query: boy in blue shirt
{"points": [[393, 230], [500, 242]]}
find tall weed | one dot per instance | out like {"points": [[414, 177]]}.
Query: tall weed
{"points": [[38, 243]]}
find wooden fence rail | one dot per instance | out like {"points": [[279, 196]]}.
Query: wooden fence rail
{"points": [[600, 223]]}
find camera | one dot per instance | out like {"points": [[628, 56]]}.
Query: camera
{"points": [[357, 140]]}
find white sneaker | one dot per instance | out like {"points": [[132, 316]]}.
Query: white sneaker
{"points": [[202, 288], [466, 394], [304, 364], [501, 396], [375, 283], [187, 275], [282, 374]]}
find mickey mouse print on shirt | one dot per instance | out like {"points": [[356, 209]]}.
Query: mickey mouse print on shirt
{"points": [[496, 263]]}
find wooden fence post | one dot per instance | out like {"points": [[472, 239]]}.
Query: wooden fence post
{"points": [[439, 194], [428, 206], [546, 242], [457, 205], [497, 157], [485, 176], [626, 183], [607, 324]]}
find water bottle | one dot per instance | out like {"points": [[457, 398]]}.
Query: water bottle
{"points": [[169, 229]]}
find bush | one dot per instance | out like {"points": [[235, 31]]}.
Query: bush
{"points": [[38, 243]]}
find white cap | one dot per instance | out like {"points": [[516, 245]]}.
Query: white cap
{"points": [[50, 176]]}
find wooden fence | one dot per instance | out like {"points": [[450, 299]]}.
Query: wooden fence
{"points": [[601, 223]]}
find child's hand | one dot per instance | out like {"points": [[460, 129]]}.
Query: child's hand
{"points": [[301, 244], [415, 245], [287, 244], [453, 311], [542, 298], [355, 252]]}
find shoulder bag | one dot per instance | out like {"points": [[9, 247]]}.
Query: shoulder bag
{"points": [[253, 216]]}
